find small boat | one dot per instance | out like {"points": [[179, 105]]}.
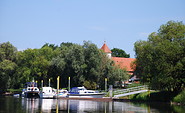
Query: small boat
{"points": [[47, 92], [16, 95], [30, 90], [82, 92], [61, 94]]}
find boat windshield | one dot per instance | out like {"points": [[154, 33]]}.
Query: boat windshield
{"points": [[77, 89]]}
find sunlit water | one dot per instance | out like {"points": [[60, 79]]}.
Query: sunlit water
{"points": [[25, 105]]}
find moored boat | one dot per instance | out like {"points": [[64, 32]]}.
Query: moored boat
{"points": [[31, 90], [47, 92], [82, 92], [61, 94], [16, 95]]}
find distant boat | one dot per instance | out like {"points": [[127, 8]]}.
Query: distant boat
{"points": [[16, 95], [61, 94], [30, 90], [47, 92], [82, 92]]}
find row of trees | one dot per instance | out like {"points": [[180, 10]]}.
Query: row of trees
{"points": [[161, 59], [85, 64], [160, 62]]}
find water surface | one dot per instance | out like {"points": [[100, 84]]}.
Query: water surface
{"points": [[28, 105]]}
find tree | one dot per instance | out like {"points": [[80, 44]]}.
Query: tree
{"points": [[119, 53], [7, 69], [161, 59], [34, 64], [69, 63], [50, 45], [7, 65], [86, 65], [7, 51]]}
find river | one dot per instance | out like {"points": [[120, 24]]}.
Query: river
{"points": [[28, 105]]}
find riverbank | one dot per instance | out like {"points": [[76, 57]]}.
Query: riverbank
{"points": [[155, 96], [152, 96], [10, 92]]}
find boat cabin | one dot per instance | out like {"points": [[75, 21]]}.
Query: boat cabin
{"points": [[81, 90]]}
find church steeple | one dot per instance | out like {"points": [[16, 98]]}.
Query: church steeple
{"points": [[106, 49]]}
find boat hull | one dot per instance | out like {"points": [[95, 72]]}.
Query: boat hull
{"points": [[31, 94], [85, 95], [47, 95]]}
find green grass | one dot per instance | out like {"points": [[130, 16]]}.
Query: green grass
{"points": [[133, 85], [141, 97], [156, 96], [14, 90], [180, 98]]}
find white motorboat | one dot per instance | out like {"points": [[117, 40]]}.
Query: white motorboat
{"points": [[31, 90], [82, 92], [47, 92]]}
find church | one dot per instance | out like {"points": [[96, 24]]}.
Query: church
{"points": [[123, 63]]}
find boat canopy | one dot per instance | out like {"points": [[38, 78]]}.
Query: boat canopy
{"points": [[77, 89], [30, 84]]}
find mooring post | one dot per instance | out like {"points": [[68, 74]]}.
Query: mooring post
{"points": [[106, 84], [110, 90], [49, 82], [69, 84], [58, 85], [41, 83]]}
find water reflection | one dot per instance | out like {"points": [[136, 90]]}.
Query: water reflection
{"points": [[63, 105], [30, 105], [27, 105]]}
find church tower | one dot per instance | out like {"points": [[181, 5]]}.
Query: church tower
{"points": [[106, 50]]}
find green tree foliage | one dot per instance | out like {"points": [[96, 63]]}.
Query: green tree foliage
{"points": [[53, 46], [7, 65], [34, 64], [7, 52], [161, 59], [119, 53], [85, 64]]}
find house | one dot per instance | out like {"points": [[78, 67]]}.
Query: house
{"points": [[123, 63]]}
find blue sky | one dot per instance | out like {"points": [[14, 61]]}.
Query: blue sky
{"points": [[32, 23]]}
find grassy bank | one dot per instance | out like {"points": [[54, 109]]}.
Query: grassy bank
{"points": [[14, 91], [157, 96], [180, 98], [10, 92]]}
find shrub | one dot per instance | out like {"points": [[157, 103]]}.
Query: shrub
{"points": [[90, 85], [180, 98]]}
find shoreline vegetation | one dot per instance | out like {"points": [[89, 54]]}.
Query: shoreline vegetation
{"points": [[153, 96], [158, 96]]}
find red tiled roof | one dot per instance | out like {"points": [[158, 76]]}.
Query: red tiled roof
{"points": [[124, 63], [105, 48]]}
